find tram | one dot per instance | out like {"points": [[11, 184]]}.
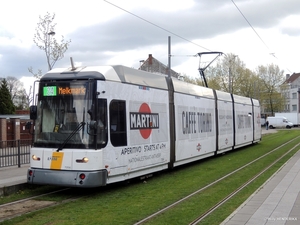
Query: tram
{"points": [[98, 125]]}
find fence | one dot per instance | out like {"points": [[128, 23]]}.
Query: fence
{"points": [[14, 152]]}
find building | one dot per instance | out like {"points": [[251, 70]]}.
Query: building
{"points": [[154, 66], [291, 92], [13, 127]]}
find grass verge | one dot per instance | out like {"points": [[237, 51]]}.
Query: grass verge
{"points": [[126, 204]]}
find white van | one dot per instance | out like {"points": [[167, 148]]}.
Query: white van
{"points": [[279, 122]]}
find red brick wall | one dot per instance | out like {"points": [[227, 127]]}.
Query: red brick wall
{"points": [[14, 129]]}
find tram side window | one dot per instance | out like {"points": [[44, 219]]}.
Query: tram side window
{"points": [[117, 114]]}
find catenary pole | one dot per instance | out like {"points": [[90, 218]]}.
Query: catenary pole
{"points": [[169, 56]]}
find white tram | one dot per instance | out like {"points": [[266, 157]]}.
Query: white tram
{"points": [[99, 125]]}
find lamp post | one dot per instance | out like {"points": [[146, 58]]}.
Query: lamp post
{"points": [[51, 33], [230, 74]]}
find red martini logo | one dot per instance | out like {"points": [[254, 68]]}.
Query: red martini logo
{"points": [[144, 120]]}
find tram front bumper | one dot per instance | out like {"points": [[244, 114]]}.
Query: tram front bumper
{"points": [[84, 179]]}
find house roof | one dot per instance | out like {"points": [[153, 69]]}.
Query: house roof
{"points": [[154, 66], [292, 78]]}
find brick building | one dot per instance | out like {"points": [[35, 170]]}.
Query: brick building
{"points": [[13, 127], [154, 66]]}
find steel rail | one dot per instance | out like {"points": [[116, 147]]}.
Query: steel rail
{"points": [[23, 201], [209, 185], [223, 201]]}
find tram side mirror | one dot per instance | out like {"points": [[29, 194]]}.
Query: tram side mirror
{"points": [[90, 111], [33, 112], [93, 124]]}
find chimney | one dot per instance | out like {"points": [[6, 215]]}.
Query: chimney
{"points": [[287, 76], [150, 59]]}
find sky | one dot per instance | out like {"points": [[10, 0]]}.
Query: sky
{"points": [[124, 32]]}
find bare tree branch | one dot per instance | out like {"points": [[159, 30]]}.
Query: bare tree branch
{"points": [[45, 40]]}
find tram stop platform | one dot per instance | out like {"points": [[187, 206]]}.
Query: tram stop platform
{"points": [[13, 179], [277, 201]]}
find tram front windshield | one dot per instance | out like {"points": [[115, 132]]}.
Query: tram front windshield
{"points": [[64, 114]]}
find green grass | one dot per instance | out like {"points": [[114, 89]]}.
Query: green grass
{"points": [[126, 204], [31, 190], [205, 200]]}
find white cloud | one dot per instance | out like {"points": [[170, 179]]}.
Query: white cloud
{"points": [[103, 34]]}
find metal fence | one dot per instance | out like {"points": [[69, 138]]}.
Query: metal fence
{"points": [[15, 152]]}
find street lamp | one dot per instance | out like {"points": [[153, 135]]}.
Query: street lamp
{"points": [[230, 75], [51, 33]]}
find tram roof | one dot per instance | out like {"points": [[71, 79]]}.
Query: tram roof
{"points": [[115, 73], [123, 74], [192, 89]]}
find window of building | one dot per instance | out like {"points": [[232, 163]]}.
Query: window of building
{"points": [[294, 95], [117, 114], [294, 107]]}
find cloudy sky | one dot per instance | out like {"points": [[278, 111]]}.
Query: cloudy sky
{"points": [[126, 31]]}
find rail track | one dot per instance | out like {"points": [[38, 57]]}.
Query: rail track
{"points": [[31, 204], [228, 197], [24, 206]]}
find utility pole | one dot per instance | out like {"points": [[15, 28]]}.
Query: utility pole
{"points": [[169, 56], [230, 84]]}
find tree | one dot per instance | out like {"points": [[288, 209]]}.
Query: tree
{"points": [[15, 87], [20, 98], [37, 75], [246, 83], [231, 75], [272, 78], [45, 41], [187, 78], [7, 106], [18, 93], [225, 75]]}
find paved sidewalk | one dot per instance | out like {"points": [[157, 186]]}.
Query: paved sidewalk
{"points": [[12, 178], [276, 202], [269, 131]]}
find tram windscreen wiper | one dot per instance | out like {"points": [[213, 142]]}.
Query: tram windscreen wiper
{"points": [[78, 128]]}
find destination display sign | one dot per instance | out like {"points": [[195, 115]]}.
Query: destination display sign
{"points": [[57, 90], [50, 91]]}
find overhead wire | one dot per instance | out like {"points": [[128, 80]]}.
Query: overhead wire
{"points": [[168, 31], [272, 54], [251, 25], [160, 27]]}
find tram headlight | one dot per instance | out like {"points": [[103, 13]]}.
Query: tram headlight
{"points": [[83, 160], [35, 158]]}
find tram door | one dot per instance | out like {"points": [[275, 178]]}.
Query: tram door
{"points": [[117, 115]]}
